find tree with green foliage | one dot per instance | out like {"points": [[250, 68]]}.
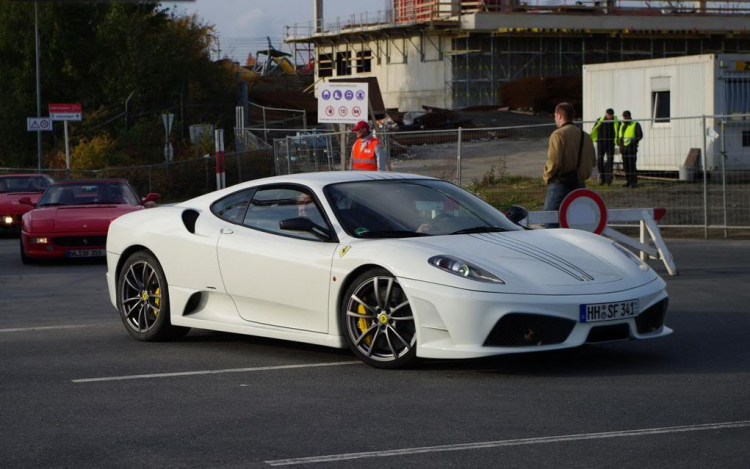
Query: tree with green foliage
{"points": [[99, 54]]}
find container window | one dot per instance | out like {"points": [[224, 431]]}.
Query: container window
{"points": [[746, 138], [737, 96], [660, 106]]}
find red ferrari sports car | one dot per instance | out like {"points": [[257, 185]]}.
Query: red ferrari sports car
{"points": [[71, 219], [14, 187]]}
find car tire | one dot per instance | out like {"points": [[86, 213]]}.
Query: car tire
{"points": [[143, 299], [24, 257], [377, 322]]}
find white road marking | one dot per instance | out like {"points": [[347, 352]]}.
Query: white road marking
{"points": [[213, 372], [518, 442], [47, 328]]}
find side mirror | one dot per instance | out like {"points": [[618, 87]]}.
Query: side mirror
{"points": [[516, 214], [26, 201], [152, 197], [306, 225]]}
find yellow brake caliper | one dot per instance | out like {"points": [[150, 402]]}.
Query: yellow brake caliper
{"points": [[157, 302], [363, 324]]}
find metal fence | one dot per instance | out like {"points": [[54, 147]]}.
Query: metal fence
{"points": [[504, 165], [177, 180]]}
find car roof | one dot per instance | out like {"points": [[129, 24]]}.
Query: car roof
{"points": [[333, 177], [315, 181]]}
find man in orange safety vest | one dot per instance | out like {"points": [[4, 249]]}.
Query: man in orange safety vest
{"points": [[368, 153]]}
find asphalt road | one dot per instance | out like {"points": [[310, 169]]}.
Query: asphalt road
{"points": [[222, 400]]}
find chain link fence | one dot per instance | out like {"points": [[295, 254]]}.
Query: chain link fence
{"points": [[504, 165], [177, 180], [501, 165]]}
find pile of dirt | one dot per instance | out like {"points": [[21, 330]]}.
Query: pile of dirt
{"points": [[542, 94]]}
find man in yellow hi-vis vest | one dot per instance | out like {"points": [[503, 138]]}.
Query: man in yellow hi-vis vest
{"points": [[628, 136], [604, 134]]}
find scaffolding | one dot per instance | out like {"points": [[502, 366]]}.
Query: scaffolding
{"points": [[481, 63], [485, 43]]}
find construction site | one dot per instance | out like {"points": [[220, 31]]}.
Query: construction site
{"points": [[522, 54]]}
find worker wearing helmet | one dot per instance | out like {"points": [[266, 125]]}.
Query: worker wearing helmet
{"points": [[368, 153]]}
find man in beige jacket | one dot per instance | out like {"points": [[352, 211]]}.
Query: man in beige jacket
{"points": [[570, 159]]}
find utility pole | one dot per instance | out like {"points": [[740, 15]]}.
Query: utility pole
{"points": [[38, 89]]}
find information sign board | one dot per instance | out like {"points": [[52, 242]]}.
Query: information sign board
{"points": [[342, 103], [65, 112]]}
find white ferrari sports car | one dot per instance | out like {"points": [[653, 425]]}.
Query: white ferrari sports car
{"points": [[394, 266]]}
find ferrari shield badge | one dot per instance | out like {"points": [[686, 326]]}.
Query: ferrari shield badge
{"points": [[344, 250]]}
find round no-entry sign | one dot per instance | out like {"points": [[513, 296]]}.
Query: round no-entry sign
{"points": [[583, 209]]}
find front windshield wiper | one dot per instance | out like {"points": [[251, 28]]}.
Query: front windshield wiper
{"points": [[480, 229], [391, 234], [52, 204]]}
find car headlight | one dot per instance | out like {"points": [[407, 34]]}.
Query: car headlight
{"points": [[629, 254], [8, 219], [38, 240], [463, 269]]}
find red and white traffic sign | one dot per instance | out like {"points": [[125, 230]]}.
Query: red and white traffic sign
{"points": [[583, 209], [65, 112]]}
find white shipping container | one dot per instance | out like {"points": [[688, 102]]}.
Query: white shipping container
{"points": [[674, 93]]}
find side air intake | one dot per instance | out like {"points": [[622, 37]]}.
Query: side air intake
{"points": [[189, 217]]}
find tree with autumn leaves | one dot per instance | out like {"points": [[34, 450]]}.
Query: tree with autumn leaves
{"points": [[99, 55]]}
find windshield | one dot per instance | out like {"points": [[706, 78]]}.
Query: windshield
{"points": [[412, 207], [96, 193], [24, 183]]}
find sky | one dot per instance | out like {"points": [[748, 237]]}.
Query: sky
{"points": [[244, 24]]}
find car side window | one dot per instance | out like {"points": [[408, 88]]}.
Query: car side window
{"points": [[233, 207], [272, 205]]}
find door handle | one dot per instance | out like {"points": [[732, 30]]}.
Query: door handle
{"points": [[227, 231]]}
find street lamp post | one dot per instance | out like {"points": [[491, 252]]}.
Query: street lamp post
{"points": [[38, 88]]}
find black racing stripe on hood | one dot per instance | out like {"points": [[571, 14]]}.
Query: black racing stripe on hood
{"points": [[543, 252], [584, 277]]}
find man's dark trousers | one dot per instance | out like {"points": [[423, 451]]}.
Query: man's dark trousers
{"points": [[556, 193], [606, 165], [629, 165]]}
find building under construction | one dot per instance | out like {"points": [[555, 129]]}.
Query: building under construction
{"points": [[458, 53]]}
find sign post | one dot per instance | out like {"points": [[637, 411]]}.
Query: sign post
{"points": [[168, 119], [221, 175], [65, 113], [343, 103]]}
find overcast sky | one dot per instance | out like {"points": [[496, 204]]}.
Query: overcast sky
{"points": [[244, 24]]}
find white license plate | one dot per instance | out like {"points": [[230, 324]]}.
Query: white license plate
{"points": [[601, 312], [87, 253]]}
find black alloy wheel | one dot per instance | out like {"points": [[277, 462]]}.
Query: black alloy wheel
{"points": [[377, 321], [143, 299]]}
